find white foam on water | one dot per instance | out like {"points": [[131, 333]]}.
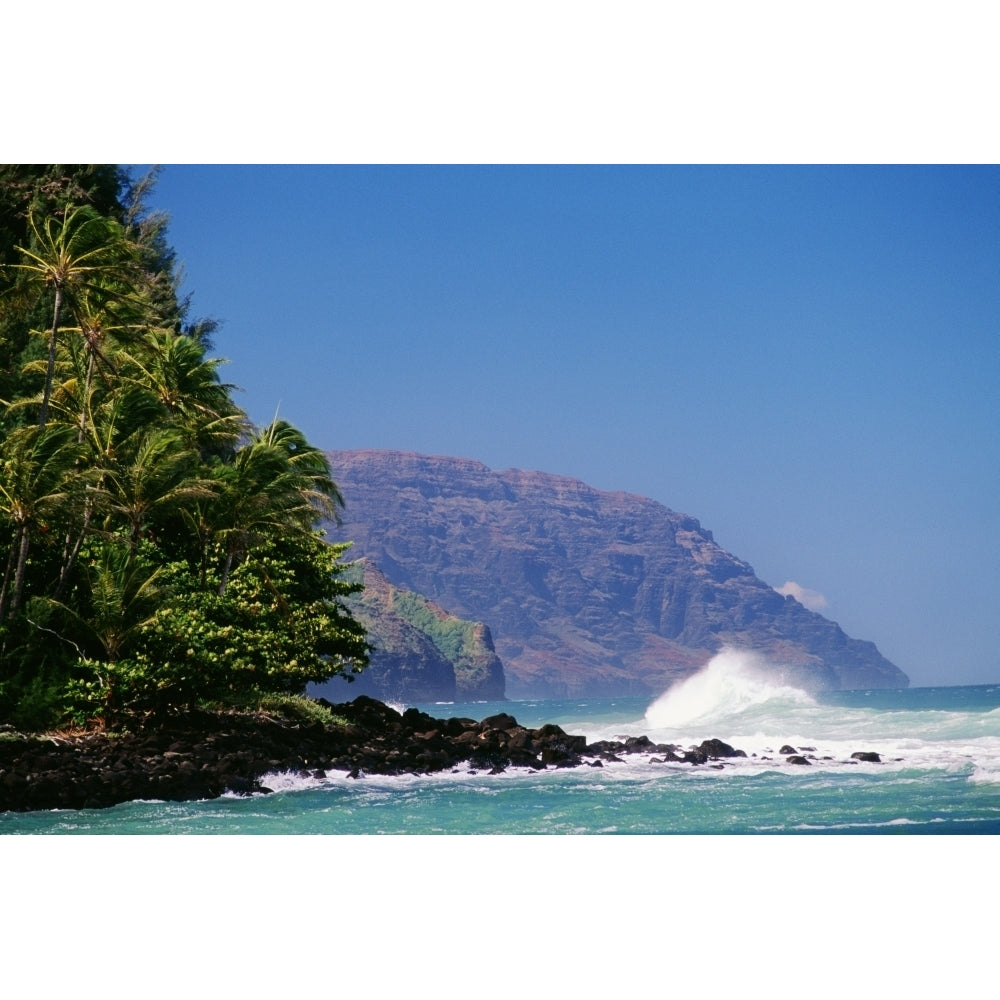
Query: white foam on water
{"points": [[741, 698], [289, 781], [986, 773], [732, 682]]}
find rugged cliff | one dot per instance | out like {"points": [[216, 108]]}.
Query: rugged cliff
{"points": [[420, 652], [586, 592]]}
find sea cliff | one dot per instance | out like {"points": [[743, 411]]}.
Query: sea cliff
{"points": [[586, 592]]}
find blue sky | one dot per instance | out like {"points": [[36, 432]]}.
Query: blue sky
{"points": [[804, 358]]}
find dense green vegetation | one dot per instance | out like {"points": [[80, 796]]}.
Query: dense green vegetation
{"points": [[157, 550]]}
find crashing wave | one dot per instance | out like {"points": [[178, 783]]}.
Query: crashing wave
{"points": [[732, 682]]}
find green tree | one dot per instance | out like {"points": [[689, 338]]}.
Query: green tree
{"points": [[280, 625], [38, 484], [153, 475], [174, 369], [156, 549], [40, 190], [123, 596], [276, 483], [76, 256]]}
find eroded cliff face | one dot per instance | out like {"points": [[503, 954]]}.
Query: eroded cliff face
{"points": [[420, 652], [585, 591]]}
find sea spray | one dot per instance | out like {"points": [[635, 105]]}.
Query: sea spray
{"points": [[732, 682]]}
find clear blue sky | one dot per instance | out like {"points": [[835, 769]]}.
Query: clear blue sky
{"points": [[807, 359]]}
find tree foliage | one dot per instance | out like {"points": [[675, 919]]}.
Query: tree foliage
{"points": [[156, 548]]}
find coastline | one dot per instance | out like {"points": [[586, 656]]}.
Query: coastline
{"points": [[202, 755]]}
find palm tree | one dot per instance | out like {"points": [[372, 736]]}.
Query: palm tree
{"points": [[38, 485], [175, 370], [125, 594], [100, 332], [109, 419], [72, 395], [78, 253], [153, 473], [277, 482], [310, 465]]}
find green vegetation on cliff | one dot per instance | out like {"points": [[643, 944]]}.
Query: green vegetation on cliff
{"points": [[459, 641], [157, 549], [419, 652]]}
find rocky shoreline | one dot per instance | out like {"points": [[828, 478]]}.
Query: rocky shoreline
{"points": [[202, 755]]}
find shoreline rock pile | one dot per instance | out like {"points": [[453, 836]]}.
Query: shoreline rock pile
{"points": [[202, 755]]}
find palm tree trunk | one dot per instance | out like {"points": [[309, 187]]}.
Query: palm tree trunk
{"points": [[51, 368], [22, 562], [85, 401], [70, 554], [226, 568], [69, 558], [6, 579]]}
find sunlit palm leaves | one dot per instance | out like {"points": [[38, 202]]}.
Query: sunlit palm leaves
{"points": [[76, 255], [38, 487], [174, 369], [277, 482], [154, 474]]}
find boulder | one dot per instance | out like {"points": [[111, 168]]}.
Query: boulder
{"points": [[501, 721], [715, 748]]}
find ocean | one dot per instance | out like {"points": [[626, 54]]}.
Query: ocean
{"points": [[768, 907], [939, 773]]}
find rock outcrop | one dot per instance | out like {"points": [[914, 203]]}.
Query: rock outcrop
{"points": [[202, 755], [586, 592], [420, 652]]}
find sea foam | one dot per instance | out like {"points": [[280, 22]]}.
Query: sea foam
{"points": [[732, 682]]}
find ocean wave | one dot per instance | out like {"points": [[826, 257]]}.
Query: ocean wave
{"points": [[738, 695], [986, 774], [730, 684]]}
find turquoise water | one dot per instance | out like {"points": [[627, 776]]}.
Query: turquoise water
{"points": [[940, 773]]}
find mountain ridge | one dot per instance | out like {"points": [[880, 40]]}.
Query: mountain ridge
{"points": [[586, 592]]}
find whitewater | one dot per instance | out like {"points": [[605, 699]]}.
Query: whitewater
{"points": [[939, 772]]}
